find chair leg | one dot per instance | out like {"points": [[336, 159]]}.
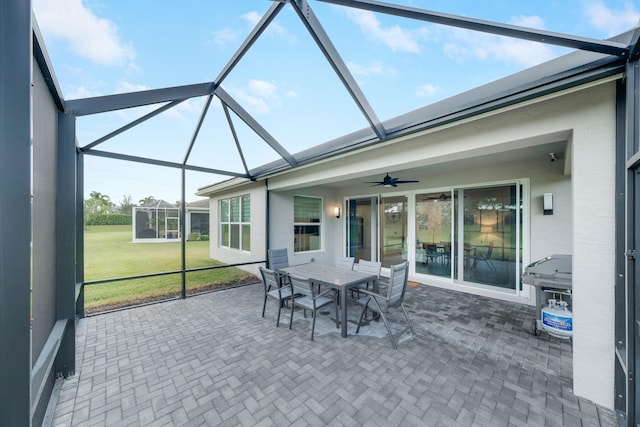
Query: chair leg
{"points": [[264, 305], [313, 322], [364, 310], [293, 304], [406, 315], [279, 310], [386, 323]]}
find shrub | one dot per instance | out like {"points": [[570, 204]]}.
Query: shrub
{"points": [[109, 219], [197, 236]]}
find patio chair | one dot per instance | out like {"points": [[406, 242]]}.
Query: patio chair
{"points": [[486, 257], [394, 298], [276, 289], [345, 262], [368, 267], [432, 252], [310, 300], [278, 258]]}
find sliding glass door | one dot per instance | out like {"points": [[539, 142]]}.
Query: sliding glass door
{"points": [[362, 227], [489, 230], [433, 233], [469, 236], [393, 230]]}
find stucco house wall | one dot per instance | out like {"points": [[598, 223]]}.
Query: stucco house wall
{"points": [[582, 183], [281, 225], [459, 154], [258, 194]]}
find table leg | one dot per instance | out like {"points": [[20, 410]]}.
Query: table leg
{"points": [[343, 307]]}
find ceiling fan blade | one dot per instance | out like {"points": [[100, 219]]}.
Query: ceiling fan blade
{"points": [[388, 181]]}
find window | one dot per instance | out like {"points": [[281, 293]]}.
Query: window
{"points": [[235, 223], [307, 228]]}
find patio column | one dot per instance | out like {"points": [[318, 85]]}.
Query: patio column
{"points": [[65, 241], [15, 211]]}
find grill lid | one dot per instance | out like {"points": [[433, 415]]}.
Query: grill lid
{"points": [[549, 271]]}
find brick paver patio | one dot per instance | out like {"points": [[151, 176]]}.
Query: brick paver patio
{"points": [[211, 360]]}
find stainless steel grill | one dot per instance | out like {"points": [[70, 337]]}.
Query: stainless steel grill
{"points": [[552, 278]]}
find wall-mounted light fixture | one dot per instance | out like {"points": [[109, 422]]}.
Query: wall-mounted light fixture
{"points": [[336, 211], [547, 204]]}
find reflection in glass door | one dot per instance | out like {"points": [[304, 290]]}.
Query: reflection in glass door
{"points": [[433, 233], [393, 230], [489, 235], [361, 228]]}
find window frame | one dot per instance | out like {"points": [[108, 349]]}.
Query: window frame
{"points": [[319, 224], [234, 222]]}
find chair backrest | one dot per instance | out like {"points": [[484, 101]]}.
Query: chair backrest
{"points": [[345, 262], [490, 250], [369, 267], [269, 279], [397, 284], [278, 258], [300, 285]]}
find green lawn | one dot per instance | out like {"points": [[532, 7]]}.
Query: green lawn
{"points": [[109, 253]]}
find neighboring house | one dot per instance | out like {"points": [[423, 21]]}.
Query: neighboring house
{"points": [[197, 219], [483, 161], [160, 221]]}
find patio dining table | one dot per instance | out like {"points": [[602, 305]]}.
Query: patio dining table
{"points": [[334, 277]]}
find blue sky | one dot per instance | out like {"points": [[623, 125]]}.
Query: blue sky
{"points": [[116, 46]]}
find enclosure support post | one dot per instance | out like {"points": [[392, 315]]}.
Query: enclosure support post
{"points": [[66, 242], [15, 211], [79, 235], [183, 240]]}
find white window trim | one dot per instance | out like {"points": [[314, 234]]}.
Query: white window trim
{"points": [[320, 224]]}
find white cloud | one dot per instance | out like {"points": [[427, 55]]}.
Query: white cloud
{"points": [[252, 17], [395, 38], [82, 92], [375, 68], [273, 28], [263, 89], [465, 44], [233, 35], [427, 90], [259, 96], [125, 87], [611, 21], [224, 37], [528, 21], [88, 35]]}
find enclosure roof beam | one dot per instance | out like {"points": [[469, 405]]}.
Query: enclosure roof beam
{"points": [[541, 36], [130, 125], [235, 136], [260, 27], [323, 41], [156, 162], [255, 126], [103, 104]]}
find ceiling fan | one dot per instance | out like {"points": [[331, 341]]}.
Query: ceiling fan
{"points": [[387, 181], [442, 197]]}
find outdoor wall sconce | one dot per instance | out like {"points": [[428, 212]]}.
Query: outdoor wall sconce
{"points": [[336, 211], [547, 204]]}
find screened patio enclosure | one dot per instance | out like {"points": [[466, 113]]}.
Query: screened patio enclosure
{"points": [[157, 220], [40, 302]]}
